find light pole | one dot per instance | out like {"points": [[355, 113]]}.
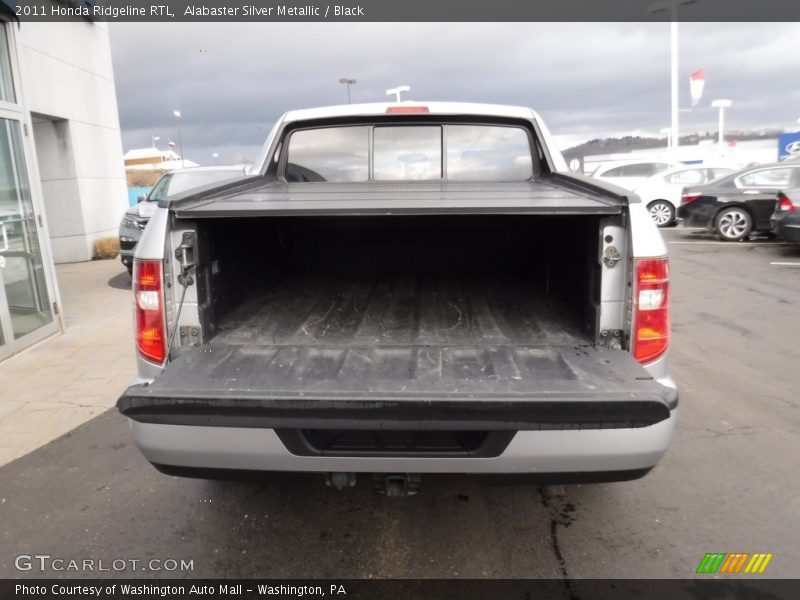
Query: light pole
{"points": [[671, 6], [348, 82], [668, 132], [397, 91], [154, 138], [177, 114], [721, 104], [215, 156]]}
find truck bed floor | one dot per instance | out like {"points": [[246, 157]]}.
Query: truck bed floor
{"points": [[400, 310], [399, 337]]}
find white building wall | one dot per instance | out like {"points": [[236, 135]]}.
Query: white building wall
{"points": [[68, 87]]}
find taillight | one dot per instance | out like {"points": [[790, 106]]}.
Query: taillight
{"points": [[784, 204], [149, 308], [687, 198], [650, 309]]}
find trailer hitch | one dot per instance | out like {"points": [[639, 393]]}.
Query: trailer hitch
{"points": [[392, 484], [340, 480], [397, 484]]}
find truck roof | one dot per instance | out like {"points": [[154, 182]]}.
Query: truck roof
{"points": [[434, 108]]}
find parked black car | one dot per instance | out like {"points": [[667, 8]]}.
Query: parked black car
{"points": [[785, 221], [736, 205]]}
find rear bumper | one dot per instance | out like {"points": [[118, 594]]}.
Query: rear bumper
{"points": [[786, 228], [128, 239], [696, 215], [127, 247], [550, 454], [618, 422], [569, 453]]}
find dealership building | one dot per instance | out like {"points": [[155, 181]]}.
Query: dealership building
{"points": [[62, 178]]}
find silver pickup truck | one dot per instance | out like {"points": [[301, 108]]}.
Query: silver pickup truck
{"points": [[404, 289]]}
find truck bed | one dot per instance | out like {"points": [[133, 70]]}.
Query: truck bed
{"points": [[402, 337], [400, 309], [400, 322], [404, 333], [400, 306]]}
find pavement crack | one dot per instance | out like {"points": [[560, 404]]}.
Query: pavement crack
{"points": [[80, 405], [561, 513], [743, 430]]}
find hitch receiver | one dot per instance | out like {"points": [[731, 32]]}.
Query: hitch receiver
{"points": [[340, 480], [397, 484]]}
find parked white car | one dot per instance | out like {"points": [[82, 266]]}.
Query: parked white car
{"points": [[661, 193], [630, 175]]}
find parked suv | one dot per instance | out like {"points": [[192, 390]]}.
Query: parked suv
{"points": [[404, 289], [136, 217]]}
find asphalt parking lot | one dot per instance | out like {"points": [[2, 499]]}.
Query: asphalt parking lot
{"points": [[728, 484]]}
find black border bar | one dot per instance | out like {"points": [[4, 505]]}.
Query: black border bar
{"points": [[417, 589], [406, 10]]}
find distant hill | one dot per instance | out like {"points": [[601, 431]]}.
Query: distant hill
{"points": [[630, 143]]}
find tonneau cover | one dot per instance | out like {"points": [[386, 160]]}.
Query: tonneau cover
{"points": [[554, 194]]}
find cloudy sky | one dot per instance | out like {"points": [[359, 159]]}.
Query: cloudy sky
{"points": [[231, 81]]}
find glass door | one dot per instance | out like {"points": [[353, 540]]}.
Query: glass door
{"points": [[26, 311], [26, 275]]}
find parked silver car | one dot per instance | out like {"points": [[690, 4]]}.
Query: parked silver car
{"points": [[171, 184]]}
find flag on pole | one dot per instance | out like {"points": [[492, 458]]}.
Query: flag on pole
{"points": [[696, 83], [171, 144]]}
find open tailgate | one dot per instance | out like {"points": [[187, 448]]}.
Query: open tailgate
{"points": [[403, 387]]}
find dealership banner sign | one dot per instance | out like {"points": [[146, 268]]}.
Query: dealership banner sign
{"points": [[788, 145]]}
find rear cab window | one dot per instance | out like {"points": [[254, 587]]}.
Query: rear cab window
{"points": [[479, 153], [410, 152], [329, 154], [407, 153]]}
